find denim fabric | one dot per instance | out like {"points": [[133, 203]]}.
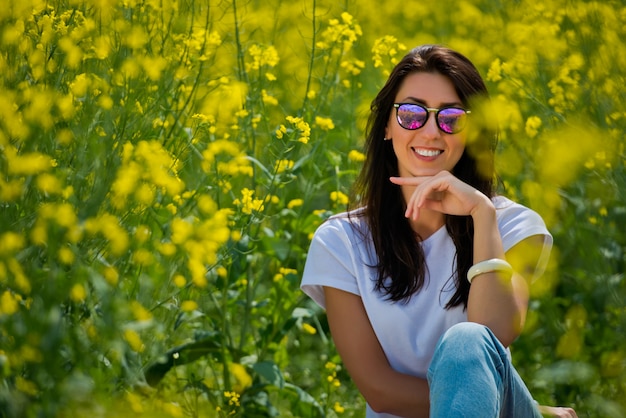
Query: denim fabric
{"points": [[471, 376]]}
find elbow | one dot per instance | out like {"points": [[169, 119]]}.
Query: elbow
{"points": [[506, 328], [379, 400], [376, 400], [506, 331]]}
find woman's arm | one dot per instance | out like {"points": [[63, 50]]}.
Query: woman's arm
{"points": [[384, 389], [495, 300], [498, 301]]}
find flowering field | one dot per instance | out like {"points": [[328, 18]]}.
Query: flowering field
{"points": [[163, 165]]}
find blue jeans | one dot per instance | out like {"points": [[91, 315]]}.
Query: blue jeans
{"points": [[471, 376]]}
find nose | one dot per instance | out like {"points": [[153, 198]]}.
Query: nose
{"points": [[430, 129]]}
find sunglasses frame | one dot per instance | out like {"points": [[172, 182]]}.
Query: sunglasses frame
{"points": [[430, 110]]}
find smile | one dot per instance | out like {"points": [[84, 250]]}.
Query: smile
{"points": [[427, 152]]}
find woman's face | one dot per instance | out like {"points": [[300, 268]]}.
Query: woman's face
{"points": [[427, 150]]}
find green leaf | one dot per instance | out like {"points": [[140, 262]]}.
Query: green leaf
{"points": [[270, 372], [180, 355]]}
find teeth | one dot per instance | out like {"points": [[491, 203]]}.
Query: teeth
{"points": [[427, 152]]}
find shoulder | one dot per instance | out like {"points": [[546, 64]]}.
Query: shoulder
{"points": [[510, 212], [344, 225], [517, 222]]}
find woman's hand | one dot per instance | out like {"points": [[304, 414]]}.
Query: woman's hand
{"points": [[443, 193], [557, 411]]}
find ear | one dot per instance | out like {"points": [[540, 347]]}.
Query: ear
{"points": [[387, 132]]}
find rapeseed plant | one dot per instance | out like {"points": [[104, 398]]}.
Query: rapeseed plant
{"points": [[164, 164]]}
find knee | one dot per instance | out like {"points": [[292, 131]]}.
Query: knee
{"points": [[468, 340], [468, 347], [465, 333]]}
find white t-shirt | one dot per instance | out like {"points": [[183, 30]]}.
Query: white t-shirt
{"points": [[340, 257]]}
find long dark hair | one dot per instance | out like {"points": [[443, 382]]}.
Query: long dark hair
{"points": [[400, 256]]}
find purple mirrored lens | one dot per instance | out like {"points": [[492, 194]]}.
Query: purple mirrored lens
{"points": [[451, 120], [412, 116]]}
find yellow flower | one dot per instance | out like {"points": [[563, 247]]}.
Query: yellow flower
{"points": [[143, 257], [111, 275], [261, 57], [282, 130], [179, 280], [294, 203], [356, 156], [268, 99], [309, 329], [353, 67], [9, 303], [241, 375], [339, 198], [10, 242], [134, 340], [338, 408], [325, 124], [495, 71], [282, 165], [302, 126], [139, 311], [188, 306], [78, 293], [386, 47], [66, 256], [533, 124], [27, 164], [248, 204]]}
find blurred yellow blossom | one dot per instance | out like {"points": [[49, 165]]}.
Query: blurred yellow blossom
{"points": [[309, 329], [179, 280], [139, 311], [387, 48], [533, 124], [495, 71], [339, 198], [353, 67], [9, 303], [28, 163], [10, 243], [344, 33], [325, 124], [66, 255], [262, 56], [247, 203], [280, 166], [268, 99], [294, 203], [356, 156], [338, 408], [243, 379], [111, 275], [134, 340], [189, 305], [78, 293], [302, 127]]}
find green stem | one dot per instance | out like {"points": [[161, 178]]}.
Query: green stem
{"points": [[312, 60]]}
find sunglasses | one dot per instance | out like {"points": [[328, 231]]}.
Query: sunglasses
{"points": [[450, 120]]}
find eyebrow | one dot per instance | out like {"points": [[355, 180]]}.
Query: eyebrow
{"points": [[422, 102]]}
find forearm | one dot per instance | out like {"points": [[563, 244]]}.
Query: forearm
{"points": [[398, 394], [384, 388], [495, 300]]}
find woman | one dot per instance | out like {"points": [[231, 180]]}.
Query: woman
{"points": [[415, 335]]}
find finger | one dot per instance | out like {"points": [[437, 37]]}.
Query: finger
{"points": [[408, 181]]}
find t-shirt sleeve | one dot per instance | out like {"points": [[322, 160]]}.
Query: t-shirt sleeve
{"points": [[516, 223], [330, 262]]}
